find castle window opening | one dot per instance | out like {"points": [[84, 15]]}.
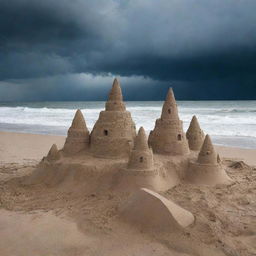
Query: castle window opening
{"points": [[106, 132], [169, 111], [208, 153], [141, 159], [179, 136]]}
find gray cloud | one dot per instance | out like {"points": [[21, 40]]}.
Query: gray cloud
{"points": [[79, 87], [194, 44]]}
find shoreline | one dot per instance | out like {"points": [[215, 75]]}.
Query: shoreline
{"points": [[245, 142], [21, 147]]}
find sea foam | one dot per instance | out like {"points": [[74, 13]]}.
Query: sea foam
{"points": [[218, 118]]}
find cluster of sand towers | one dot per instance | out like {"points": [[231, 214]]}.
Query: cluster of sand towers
{"points": [[114, 136], [144, 165]]}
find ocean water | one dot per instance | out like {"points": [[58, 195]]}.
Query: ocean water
{"points": [[231, 123]]}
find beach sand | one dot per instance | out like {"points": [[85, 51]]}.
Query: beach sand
{"points": [[69, 220]]}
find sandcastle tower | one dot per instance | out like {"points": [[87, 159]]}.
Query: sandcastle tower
{"points": [[78, 135], [207, 154], [206, 169], [168, 137], [53, 153], [195, 135], [141, 157], [114, 132]]}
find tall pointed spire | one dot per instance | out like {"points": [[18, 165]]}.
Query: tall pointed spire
{"points": [[207, 153], [116, 92], [195, 135], [78, 121], [170, 95], [115, 98], [169, 110], [141, 142]]}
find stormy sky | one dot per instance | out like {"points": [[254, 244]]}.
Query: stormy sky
{"points": [[71, 50]]}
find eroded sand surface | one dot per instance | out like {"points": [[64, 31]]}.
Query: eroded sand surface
{"points": [[74, 218]]}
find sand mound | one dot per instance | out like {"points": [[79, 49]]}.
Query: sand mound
{"points": [[207, 174], [239, 165], [150, 211], [207, 169], [94, 174]]}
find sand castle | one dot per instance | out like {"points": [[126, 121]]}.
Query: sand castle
{"points": [[122, 160], [168, 137], [114, 137]]}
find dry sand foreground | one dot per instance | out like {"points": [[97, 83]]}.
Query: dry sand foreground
{"points": [[44, 220]]}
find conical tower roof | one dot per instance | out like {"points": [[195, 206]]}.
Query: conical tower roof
{"points": [[116, 92], [170, 110], [195, 135], [53, 152], [115, 98], [78, 121], [170, 95], [207, 153], [141, 142], [194, 126]]}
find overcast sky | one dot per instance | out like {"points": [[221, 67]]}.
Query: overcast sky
{"points": [[71, 50]]}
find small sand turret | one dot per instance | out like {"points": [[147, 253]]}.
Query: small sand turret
{"points": [[78, 135], [114, 132], [195, 135], [168, 137], [141, 157], [53, 153], [206, 169], [207, 154], [170, 110]]}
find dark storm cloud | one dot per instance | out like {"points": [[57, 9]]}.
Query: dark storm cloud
{"points": [[84, 87], [198, 46]]}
